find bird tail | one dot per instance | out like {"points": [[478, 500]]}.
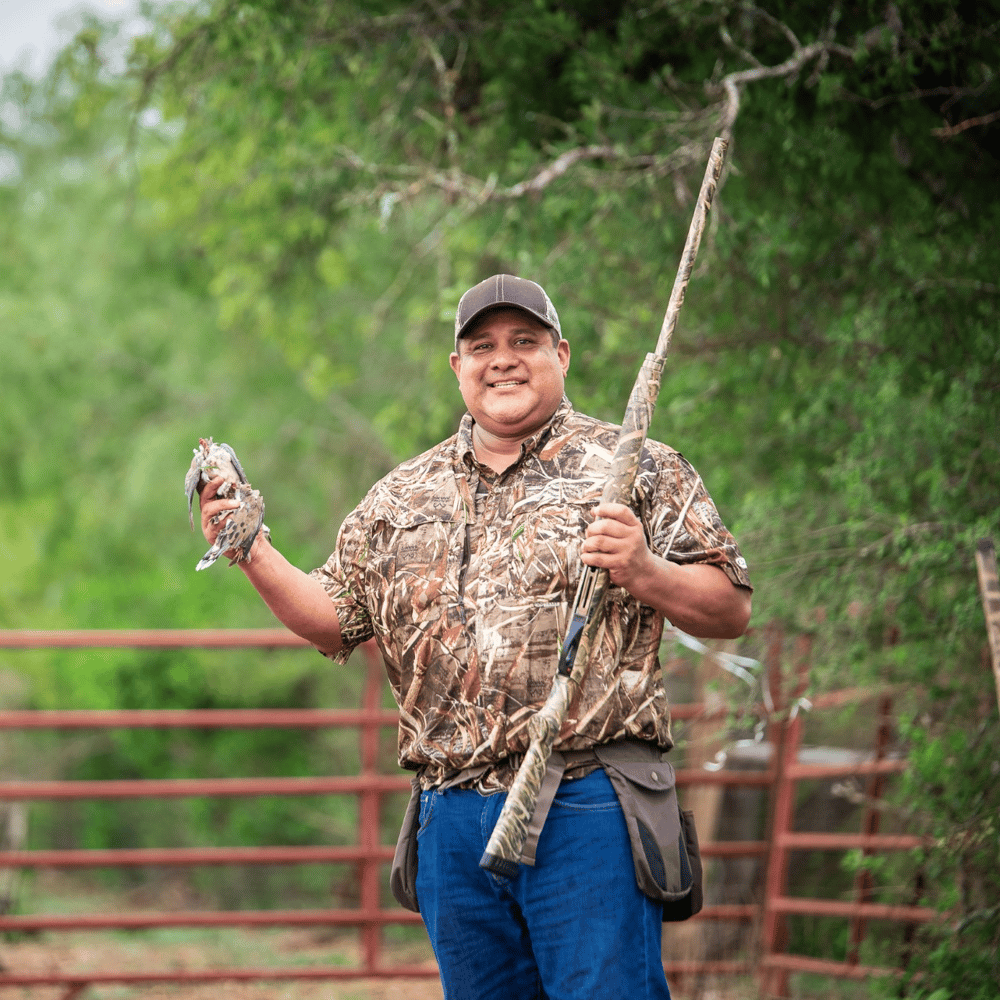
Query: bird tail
{"points": [[209, 557]]}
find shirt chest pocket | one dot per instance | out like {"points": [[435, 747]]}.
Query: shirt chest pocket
{"points": [[415, 559]]}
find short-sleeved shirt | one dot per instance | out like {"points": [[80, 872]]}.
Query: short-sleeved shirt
{"points": [[466, 577]]}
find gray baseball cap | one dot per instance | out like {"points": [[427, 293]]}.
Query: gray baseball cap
{"points": [[504, 290]]}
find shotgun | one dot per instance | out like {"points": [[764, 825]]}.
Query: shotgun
{"points": [[503, 852]]}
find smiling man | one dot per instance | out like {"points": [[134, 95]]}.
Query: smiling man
{"points": [[463, 563]]}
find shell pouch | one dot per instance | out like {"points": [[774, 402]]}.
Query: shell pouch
{"points": [[664, 841], [403, 875]]}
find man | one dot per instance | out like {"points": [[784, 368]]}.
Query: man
{"points": [[463, 563]]}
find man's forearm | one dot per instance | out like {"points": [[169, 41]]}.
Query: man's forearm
{"points": [[698, 599], [296, 599]]}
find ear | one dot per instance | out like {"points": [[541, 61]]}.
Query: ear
{"points": [[563, 352], [456, 364]]}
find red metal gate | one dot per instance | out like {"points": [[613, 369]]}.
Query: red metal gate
{"points": [[775, 963], [772, 964]]}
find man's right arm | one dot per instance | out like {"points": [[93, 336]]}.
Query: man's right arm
{"points": [[296, 599]]}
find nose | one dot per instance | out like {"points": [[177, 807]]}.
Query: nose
{"points": [[503, 357]]}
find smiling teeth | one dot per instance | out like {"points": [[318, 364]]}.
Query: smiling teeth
{"points": [[504, 385]]}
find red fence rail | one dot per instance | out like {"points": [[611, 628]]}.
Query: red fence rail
{"points": [[370, 786], [775, 964], [772, 964]]}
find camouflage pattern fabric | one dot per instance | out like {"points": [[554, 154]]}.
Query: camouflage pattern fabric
{"points": [[465, 578]]}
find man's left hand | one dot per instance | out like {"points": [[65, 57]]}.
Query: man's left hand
{"points": [[616, 542]]}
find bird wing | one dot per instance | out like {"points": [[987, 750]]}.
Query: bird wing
{"points": [[239, 529], [191, 483], [245, 524], [235, 461]]}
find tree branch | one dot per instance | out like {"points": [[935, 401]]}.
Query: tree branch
{"points": [[733, 83], [953, 93], [949, 130]]}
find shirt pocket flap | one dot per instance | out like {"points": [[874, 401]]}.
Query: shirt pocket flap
{"points": [[402, 515]]}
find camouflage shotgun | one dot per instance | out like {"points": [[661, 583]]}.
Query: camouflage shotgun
{"points": [[504, 850]]}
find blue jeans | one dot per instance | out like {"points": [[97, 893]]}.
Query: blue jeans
{"points": [[573, 927]]}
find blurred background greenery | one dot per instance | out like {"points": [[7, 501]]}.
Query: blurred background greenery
{"points": [[254, 219]]}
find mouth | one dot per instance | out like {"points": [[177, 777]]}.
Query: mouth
{"points": [[509, 384]]}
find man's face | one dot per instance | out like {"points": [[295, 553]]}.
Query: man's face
{"points": [[511, 373]]}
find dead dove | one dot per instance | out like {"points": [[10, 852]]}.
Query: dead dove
{"points": [[242, 524], [239, 528], [210, 461]]}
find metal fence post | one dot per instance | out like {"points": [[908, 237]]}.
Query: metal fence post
{"points": [[786, 737], [871, 822], [772, 924], [370, 810]]}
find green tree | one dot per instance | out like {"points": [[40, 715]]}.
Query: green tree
{"points": [[112, 367], [346, 174], [331, 178]]}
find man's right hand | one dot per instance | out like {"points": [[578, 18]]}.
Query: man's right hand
{"points": [[211, 507]]}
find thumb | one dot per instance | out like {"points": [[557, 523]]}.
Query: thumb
{"points": [[211, 488]]}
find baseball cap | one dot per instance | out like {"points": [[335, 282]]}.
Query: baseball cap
{"points": [[505, 290]]}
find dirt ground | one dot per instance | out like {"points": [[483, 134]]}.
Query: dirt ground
{"points": [[186, 949], [190, 950]]}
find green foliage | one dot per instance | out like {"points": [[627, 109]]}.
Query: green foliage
{"points": [[271, 249], [957, 772], [112, 368]]}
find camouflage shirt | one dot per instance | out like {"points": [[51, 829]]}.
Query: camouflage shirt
{"points": [[465, 578]]}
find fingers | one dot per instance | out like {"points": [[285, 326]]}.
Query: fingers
{"points": [[210, 488], [615, 541], [211, 504], [214, 509], [614, 520], [616, 512], [609, 527]]}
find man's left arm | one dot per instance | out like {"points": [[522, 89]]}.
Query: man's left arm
{"points": [[697, 598]]}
